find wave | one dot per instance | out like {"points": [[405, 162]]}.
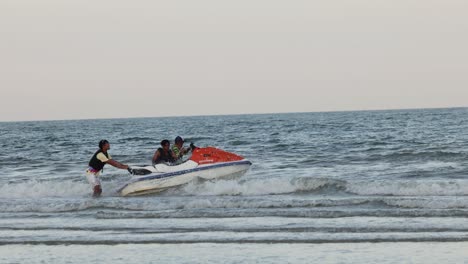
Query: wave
{"points": [[197, 207], [301, 213], [43, 189], [163, 204], [410, 187], [253, 187], [329, 186], [131, 139], [250, 187], [257, 186], [151, 225], [242, 237], [296, 197], [418, 155], [240, 143]]}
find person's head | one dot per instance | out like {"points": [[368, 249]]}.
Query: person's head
{"points": [[104, 145], [179, 141], [165, 144]]}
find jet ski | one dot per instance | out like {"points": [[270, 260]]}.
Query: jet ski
{"points": [[206, 163]]}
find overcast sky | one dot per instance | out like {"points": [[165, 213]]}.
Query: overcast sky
{"points": [[74, 59]]}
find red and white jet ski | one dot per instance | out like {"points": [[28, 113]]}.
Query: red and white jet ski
{"points": [[205, 163]]}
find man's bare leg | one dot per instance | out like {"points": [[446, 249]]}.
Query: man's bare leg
{"points": [[97, 191]]}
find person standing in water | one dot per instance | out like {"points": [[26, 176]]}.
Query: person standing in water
{"points": [[96, 165]]}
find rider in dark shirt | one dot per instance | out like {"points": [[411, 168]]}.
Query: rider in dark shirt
{"points": [[164, 154]]}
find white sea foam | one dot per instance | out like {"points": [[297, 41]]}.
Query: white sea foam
{"points": [[258, 187], [434, 165], [39, 189], [53, 188], [410, 187], [440, 202], [254, 187], [310, 184], [233, 187]]}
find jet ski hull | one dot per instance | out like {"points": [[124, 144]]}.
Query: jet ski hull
{"points": [[156, 182]]}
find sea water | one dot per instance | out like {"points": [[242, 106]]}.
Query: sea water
{"points": [[338, 187]]}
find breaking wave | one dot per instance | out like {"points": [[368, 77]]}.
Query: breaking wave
{"points": [[300, 197], [43, 189], [329, 186], [254, 187]]}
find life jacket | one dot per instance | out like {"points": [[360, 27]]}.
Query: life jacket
{"points": [[176, 151], [95, 163], [164, 157]]}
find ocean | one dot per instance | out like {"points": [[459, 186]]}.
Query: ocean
{"points": [[334, 187]]}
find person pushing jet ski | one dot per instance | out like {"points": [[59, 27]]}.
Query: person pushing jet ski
{"points": [[96, 165]]}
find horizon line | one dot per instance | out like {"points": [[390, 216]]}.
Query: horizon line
{"points": [[259, 113]]}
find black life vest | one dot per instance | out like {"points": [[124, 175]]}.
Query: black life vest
{"points": [[95, 163], [164, 157]]}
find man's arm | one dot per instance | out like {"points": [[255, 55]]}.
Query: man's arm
{"points": [[117, 164], [186, 150], [156, 156]]}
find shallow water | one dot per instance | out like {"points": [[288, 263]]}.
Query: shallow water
{"points": [[344, 179], [422, 252]]}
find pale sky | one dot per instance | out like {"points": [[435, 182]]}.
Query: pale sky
{"points": [[64, 59]]}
